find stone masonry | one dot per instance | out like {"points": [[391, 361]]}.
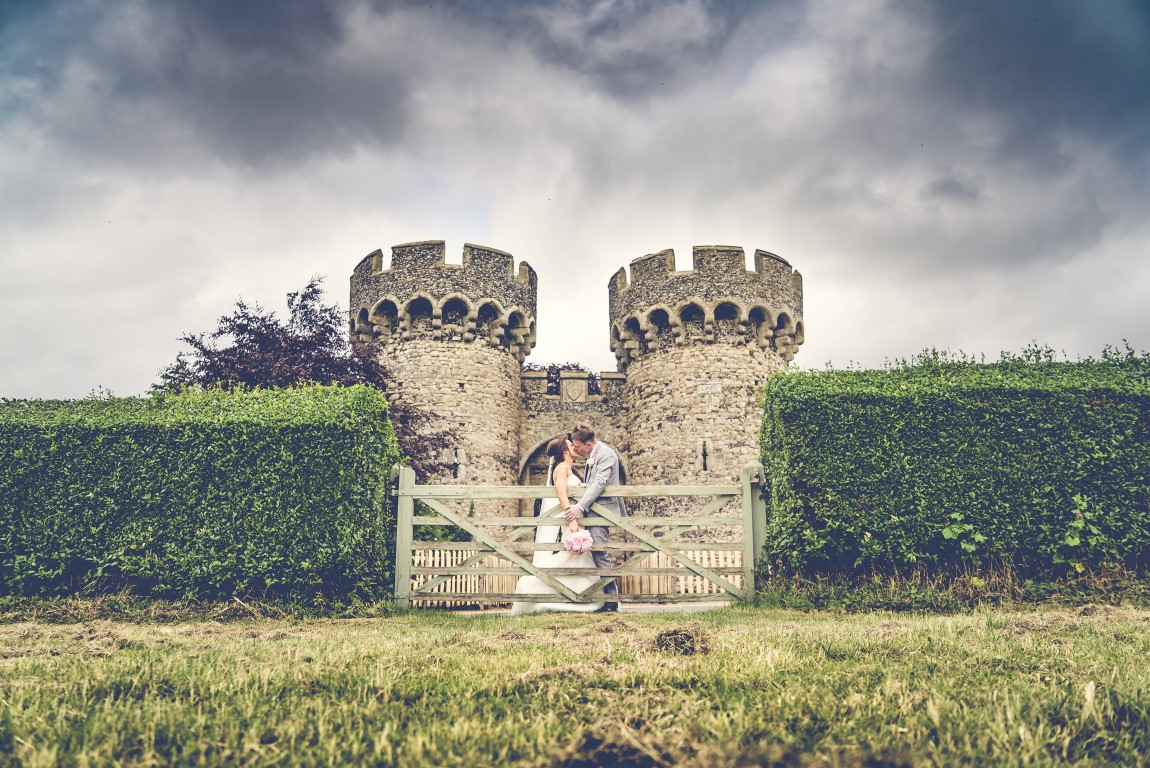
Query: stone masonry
{"points": [[692, 349]]}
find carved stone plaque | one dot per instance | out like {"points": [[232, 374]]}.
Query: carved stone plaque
{"points": [[575, 391]]}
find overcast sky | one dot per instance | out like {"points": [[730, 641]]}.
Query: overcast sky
{"points": [[965, 175]]}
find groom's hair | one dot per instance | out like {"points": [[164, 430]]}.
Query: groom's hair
{"points": [[583, 433]]}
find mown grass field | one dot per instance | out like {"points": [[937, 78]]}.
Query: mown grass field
{"points": [[731, 687]]}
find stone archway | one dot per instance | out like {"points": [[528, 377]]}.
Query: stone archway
{"points": [[533, 469], [533, 466]]}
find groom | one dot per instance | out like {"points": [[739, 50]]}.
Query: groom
{"points": [[602, 470]]}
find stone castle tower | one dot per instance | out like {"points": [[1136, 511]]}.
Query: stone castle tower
{"points": [[454, 337], [693, 348], [696, 346]]}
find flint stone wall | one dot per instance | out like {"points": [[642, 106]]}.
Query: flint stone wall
{"points": [[693, 419], [474, 389], [685, 400]]}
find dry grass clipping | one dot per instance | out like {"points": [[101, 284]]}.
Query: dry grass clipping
{"points": [[684, 641]]}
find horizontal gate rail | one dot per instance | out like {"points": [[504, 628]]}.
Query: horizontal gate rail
{"points": [[512, 597], [499, 492], [587, 521], [497, 571], [530, 546]]}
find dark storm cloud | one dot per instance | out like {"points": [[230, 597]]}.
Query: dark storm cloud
{"points": [[1066, 86], [1032, 117], [304, 28], [952, 189], [1048, 69], [631, 49], [257, 82], [262, 83]]}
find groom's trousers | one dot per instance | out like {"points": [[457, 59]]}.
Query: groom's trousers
{"points": [[599, 535]]}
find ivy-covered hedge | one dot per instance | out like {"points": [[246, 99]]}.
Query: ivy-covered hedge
{"points": [[940, 462], [206, 494]]}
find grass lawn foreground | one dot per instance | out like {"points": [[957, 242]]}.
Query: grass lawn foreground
{"points": [[736, 686]]}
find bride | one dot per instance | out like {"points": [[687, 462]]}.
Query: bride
{"points": [[562, 476]]}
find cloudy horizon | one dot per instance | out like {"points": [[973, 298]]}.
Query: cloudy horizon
{"points": [[970, 176]]}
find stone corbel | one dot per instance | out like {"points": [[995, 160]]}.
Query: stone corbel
{"points": [[498, 333], [517, 339], [784, 345]]}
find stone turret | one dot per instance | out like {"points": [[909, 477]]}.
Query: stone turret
{"points": [[696, 346], [453, 337], [422, 297]]}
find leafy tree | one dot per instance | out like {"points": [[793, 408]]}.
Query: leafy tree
{"points": [[252, 348]]}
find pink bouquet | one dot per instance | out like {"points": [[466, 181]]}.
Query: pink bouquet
{"points": [[578, 542]]}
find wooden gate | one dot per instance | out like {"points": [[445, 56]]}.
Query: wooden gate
{"points": [[486, 568]]}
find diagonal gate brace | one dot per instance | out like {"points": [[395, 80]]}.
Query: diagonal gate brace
{"points": [[484, 537], [671, 552]]}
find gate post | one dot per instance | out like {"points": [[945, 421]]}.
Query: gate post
{"points": [[405, 511], [749, 476], [759, 509]]}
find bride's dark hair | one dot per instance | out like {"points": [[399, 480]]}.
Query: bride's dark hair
{"points": [[556, 448]]}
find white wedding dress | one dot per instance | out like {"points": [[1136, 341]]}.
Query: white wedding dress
{"points": [[560, 558]]}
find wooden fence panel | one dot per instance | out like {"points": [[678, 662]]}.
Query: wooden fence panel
{"points": [[501, 584], [688, 583]]}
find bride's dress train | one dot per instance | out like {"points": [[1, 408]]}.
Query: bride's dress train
{"points": [[560, 558]]}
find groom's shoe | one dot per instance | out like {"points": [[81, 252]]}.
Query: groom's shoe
{"points": [[608, 608]]}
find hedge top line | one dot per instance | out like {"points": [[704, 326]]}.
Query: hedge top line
{"points": [[316, 405], [1016, 376]]}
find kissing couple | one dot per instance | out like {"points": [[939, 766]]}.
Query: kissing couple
{"points": [[602, 470]]}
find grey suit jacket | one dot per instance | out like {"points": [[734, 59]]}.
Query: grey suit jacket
{"points": [[602, 470]]}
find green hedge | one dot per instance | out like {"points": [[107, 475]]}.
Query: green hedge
{"points": [[206, 494], [938, 462]]}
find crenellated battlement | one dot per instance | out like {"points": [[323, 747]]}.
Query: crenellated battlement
{"points": [[484, 300], [708, 262], [718, 300], [418, 258]]}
